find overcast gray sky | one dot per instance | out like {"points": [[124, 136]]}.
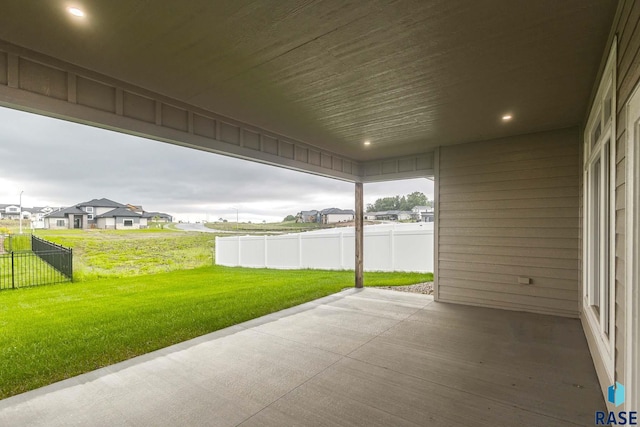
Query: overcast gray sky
{"points": [[59, 163]]}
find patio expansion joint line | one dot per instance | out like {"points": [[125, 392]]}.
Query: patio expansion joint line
{"points": [[341, 358]]}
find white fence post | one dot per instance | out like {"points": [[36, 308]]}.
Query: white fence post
{"points": [[299, 250], [239, 252]]}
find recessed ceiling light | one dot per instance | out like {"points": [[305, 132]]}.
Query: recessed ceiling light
{"points": [[75, 12], [507, 117], [367, 143]]}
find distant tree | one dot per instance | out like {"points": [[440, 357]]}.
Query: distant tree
{"points": [[416, 199], [289, 218], [404, 203]]}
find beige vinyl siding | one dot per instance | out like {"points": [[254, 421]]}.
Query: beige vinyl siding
{"points": [[628, 31], [509, 208]]}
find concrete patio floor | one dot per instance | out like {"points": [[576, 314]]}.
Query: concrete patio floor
{"points": [[366, 357]]}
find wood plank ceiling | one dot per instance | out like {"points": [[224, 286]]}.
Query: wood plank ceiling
{"points": [[406, 75]]}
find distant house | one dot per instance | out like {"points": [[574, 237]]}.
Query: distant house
{"points": [[72, 217], [100, 213], [335, 215], [9, 212], [157, 217], [121, 218], [37, 214], [423, 213], [308, 216], [97, 207], [392, 215]]}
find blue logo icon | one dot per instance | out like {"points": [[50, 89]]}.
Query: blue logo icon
{"points": [[616, 394]]}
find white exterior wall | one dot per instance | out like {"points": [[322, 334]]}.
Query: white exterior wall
{"points": [[120, 223], [333, 218], [106, 223], [51, 223], [392, 247], [100, 211]]}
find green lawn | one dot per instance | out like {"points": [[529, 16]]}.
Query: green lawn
{"points": [[55, 332], [277, 227], [112, 253], [26, 266]]}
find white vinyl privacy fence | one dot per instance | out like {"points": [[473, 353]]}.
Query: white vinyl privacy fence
{"points": [[387, 247]]}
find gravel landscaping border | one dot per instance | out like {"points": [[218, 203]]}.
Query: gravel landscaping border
{"points": [[419, 288]]}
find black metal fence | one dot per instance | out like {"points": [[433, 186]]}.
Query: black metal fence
{"points": [[44, 263]]}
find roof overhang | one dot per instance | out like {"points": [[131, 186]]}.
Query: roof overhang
{"points": [[303, 84]]}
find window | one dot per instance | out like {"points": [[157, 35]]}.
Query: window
{"points": [[599, 216], [88, 209], [61, 223], [128, 223], [90, 217]]}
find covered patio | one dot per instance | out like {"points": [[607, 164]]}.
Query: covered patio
{"points": [[359, 357], [525, 114]]}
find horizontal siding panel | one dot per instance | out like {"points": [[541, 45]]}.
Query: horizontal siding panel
{"points": [[571, 233], [509, 208], [623, 27], [516, 289], [564, 161], [620, 261], [519, 184], [621, 149], [510, 300], [504, 153], [621, 224], [532, 193], [628, 72], [620, 196], [523, 251], [621, 170], [630, 82], [508, 279], [509, 222], [527, 271], [511, 306], [510, 242], [620, 296], [510, 260], [539, 173], [511, 213], [569, 202]]}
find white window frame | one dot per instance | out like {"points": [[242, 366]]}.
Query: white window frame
{"points": [[124, 223], [601, 321], [61, 223], [88, 209], [632, 307]]}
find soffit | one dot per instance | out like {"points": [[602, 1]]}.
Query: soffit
{"points": [[406, 75]]}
